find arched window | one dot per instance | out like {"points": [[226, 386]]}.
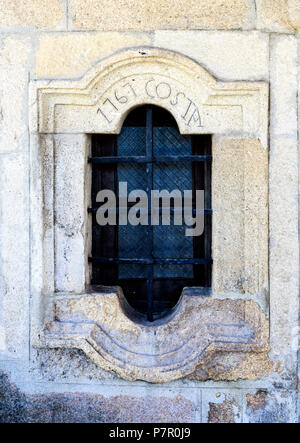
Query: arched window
{"points": [[151, 262]]}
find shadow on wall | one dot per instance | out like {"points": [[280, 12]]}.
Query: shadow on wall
{"points": [[17, 407]]}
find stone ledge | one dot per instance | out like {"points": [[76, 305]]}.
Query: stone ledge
{"points": [[97, 324]]}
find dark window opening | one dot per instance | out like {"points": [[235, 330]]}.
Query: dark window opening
{"points": [[152, 264]]}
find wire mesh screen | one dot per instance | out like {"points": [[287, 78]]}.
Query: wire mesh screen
{"points": [[132, 142], [168, 241]]}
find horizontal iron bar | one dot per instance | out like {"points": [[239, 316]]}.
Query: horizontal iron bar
{"points": [[150, 261], [144, 159], [172, 210]]}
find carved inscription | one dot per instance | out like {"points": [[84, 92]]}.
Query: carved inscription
{"points": [[159, 90]]}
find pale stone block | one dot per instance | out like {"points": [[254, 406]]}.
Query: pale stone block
{"points": [[158, 14], [41, 231], [70, 212], [2, 339], [47, 146], [37, 197], [256, 230], [278, 15], [298, 91], [14, 257], [228, 218], [83, 51], [283, 198], [240, 220], [248, 59], [38, 13], [283, 68], [13, 93], [284, 248], [294, 13]]}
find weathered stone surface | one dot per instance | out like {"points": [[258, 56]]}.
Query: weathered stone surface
{"points": [[98, 325], [249, 52], [283, 112], [37, 13], [62, 365], [70, 236], [294, 13], [283, 199], [240, 201], [14, 55], [221, 407], [18, 407], [284, 251], [234, 366], [268, 407], [257, 401], [221, 413], [83, 50], [14, 257], [128, 14], [278, 15]]}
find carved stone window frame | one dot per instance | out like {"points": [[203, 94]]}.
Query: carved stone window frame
{"points": [[63, 115]]}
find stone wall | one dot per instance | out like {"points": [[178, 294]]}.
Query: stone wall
{"points": [[235, 41]]}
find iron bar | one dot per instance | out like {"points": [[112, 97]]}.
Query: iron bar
{"points": [[152, 261], [172, 210], [149, 170], [146, 159]]}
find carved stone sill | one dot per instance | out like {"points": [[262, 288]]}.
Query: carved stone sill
{"points": [[98, 324]]}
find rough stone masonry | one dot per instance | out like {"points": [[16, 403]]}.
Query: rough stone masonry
{"points": [[77, 68]]}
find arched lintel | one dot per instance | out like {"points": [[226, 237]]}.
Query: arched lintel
{"points": [[170, 61], [101, 99], [142, 54]]}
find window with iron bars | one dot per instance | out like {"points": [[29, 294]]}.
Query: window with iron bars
{"points": [[152, 264]]}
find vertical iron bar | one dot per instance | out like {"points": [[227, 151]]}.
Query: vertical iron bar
{"points": [[149, 155], [208, 220]]}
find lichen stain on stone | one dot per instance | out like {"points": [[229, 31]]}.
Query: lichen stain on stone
{"points": [[236, 365], [221, 412], [269, 407], [257, 401]]}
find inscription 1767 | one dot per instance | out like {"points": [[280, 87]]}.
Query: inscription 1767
{"points": [[155, 90]]}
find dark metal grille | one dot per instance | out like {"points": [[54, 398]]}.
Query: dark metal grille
{"points": [[151, 263]]}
